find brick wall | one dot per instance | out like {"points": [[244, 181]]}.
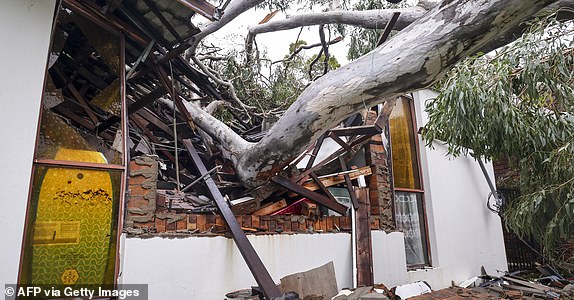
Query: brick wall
{"points": [[380, 182], [148, 211], [142, 188]]}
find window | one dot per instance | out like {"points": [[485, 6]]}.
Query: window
{"points": [[409, 198], [75, 202]]}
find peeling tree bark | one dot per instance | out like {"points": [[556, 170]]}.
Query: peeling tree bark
{"points": [[370, 19], [413, 59]]}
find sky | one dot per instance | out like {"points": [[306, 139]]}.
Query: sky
{"points": [[275, 43]]}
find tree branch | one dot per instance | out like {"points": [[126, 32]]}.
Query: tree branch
{"points": [[306, 47], [232, 11], [370, 19]]}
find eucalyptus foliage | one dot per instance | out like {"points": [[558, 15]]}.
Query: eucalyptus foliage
{"points": [[518, 104], [270, 87]]}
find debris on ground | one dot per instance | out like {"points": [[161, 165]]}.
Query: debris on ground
{"points": [[320, 284]]}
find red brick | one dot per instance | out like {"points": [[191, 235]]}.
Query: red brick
{"points": [[201, 223], [272, 225], [192, 222], [375, 224], [136, 180], [295, 226], [160, 225], [376, 148], [329, 221], [263, 224], [210, 220], [171, 226], [309, 224], [136, 167], [246, 221], [287, 226], [182, 224], [138, 191], [255, 222], [143, 225], [337, 222], [137, 202]]}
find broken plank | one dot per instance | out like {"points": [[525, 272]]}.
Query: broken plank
{"points": [[339, 141], [323, 200], [145, 100], [83, 103], [322, 187], [388, 28], [336, 178], [202, 7], [523, 289], [356, 130], [154, 139], [315, 152], [349, 183], [540, 287], [309, 209], [319, 281], [245, 207], [271, 208], [249, 229]]}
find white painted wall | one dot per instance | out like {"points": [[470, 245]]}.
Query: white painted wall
{"points": [[210, 267], [25, 37], [464, 236]]}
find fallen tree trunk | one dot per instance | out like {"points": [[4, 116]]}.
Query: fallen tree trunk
{"points": [[413, 59]]}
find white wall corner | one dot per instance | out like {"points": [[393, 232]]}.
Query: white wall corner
{"points": [[25, 28]]}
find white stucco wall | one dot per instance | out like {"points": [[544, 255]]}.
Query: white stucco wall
{"points": [[210, 267], [464, 236], [24, 42]]}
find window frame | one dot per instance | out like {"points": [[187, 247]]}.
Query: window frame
{"points": [[55, 163], [421, 191]]}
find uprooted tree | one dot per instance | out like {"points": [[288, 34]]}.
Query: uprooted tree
{"points": [[434, 36]]}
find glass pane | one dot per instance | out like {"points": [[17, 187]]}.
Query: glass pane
{"points": [[409, 216], [58, 140], [403, 147], [82, 91], [71, 228]]}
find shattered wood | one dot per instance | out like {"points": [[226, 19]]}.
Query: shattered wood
{"points": [[85, 91]]}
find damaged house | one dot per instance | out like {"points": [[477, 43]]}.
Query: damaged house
{"points": [[107, 179]]}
